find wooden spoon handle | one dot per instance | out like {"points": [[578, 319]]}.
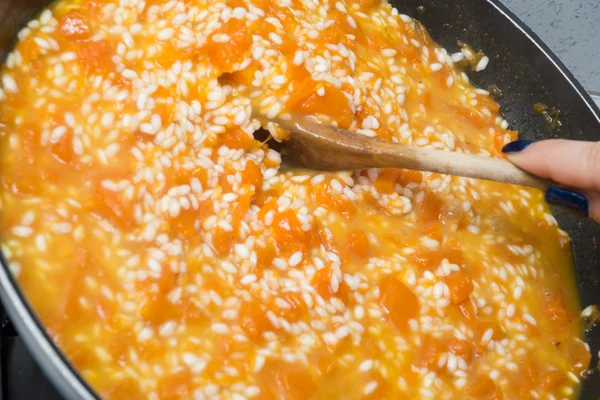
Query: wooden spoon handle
{"points": [[333, 148], [459, 164]]}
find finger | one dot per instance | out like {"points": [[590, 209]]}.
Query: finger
{"points": [[568, 162], [573, 202], [575, 164]]}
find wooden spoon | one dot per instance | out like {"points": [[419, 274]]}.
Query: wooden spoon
{"points": [[320, 146]]}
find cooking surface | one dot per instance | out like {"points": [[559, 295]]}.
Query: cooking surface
{"points": [[569, 29], [18, 370], [20, 377]]}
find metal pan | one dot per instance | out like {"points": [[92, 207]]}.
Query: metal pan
{"points": [[524, 69]]}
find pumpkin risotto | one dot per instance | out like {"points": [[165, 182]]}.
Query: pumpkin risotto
{"points": [[171, 255]]}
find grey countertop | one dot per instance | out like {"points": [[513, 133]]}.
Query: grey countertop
{"points": [[571, 28]]}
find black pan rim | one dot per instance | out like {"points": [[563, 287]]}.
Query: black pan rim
{"points": [[65, 377], [548, 53]]}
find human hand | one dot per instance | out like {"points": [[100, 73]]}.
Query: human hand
{"points": [[575, 164]]}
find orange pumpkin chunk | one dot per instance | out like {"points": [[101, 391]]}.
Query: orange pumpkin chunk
{"points": [[552, 380], [460, 286], [398, 301], [290, 381], [322, 284], [430, 352], [358, 243], [554, 309], [225, 55], [484, 388], [253, 319], [577, 354], [114, 208], [291, 307], [95, 55], [430, 208], [253, 175], [332, 103], [235, 138], [288, 232], [460, 348]]}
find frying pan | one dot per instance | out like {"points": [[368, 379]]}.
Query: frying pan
{"points": [[521, 65]]}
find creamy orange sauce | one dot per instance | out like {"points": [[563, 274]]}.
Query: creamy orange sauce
{"points": [[171, 256]]}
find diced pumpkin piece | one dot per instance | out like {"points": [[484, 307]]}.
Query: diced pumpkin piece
{"points": [[385, 185], [95, 55], [290, 381], [460, 286], [425, 99], [265, 254], [30, 140], [176, 386], [253, 319], [295, 308], [482, 387], [577, 354], [430, 208], [321, 281], [16, 182], [430, 352], [460, 348], [335, 33], [63, 149], [157, 309], [525, 380], [326, 364], [528, 370], [185, 223], [253, 175], [226, 181], [555, 311], [191, 314], [332, 103], [114, 208], [326, 239], [222, 240], [552, 380], [325, 196], [225, 55], [242, 206], [411, 53], [288, 232], [282, 13], [367, 4], [432, 259], [406, 177], [398, 301], [358, 243], [236, 138]]}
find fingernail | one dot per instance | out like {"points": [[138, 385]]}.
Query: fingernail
{"points": [[567, 200], [516, 146]]}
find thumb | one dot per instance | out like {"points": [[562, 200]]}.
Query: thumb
{"points": [[574, 164]]}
